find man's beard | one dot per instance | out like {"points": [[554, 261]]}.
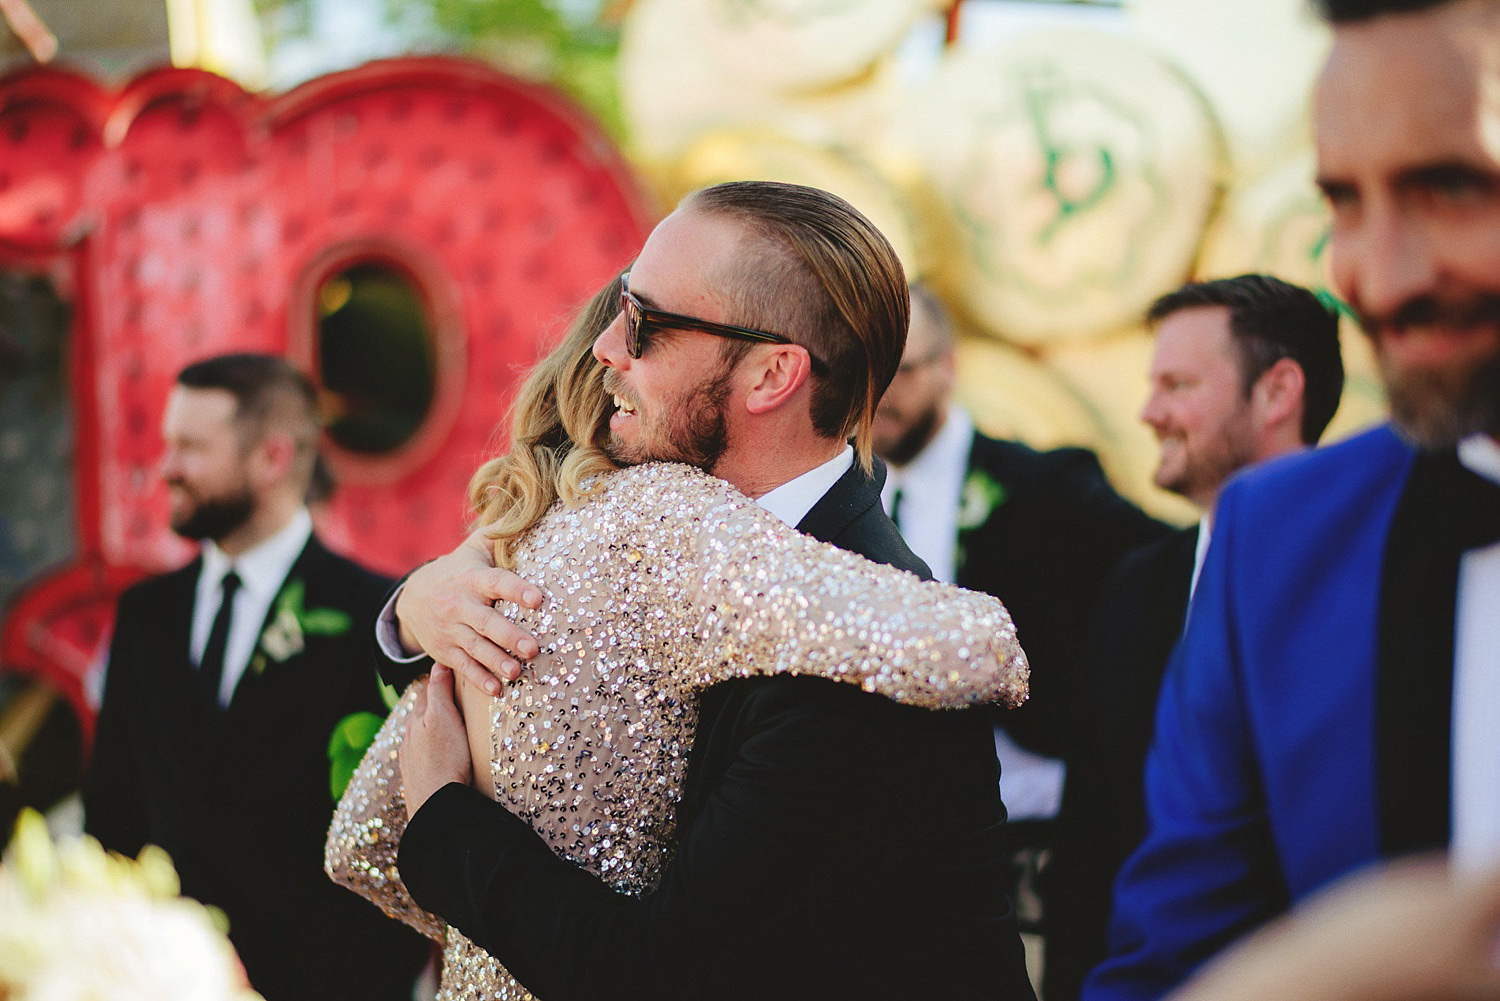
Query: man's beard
{"points": [[699, 435], [1434, 408], [215, 517], [910, 442], [1205, 471]]}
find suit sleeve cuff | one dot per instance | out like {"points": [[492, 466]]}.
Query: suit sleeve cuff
{"points": [[455, 846]]}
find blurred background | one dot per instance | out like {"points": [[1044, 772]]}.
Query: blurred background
{"points": [[408, 197]]}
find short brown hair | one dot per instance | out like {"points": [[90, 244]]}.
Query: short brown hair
{"points": [[270, 393], [1271, 319]]}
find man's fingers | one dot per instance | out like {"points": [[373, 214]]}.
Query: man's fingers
{"points": [[440, 682], [504, 634], [479, 654], [419, 704], [503, 585], [479, 677], [469, 667]]}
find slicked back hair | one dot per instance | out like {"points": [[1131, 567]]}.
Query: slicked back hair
{"points": [[1270, 319], [816, 271]]}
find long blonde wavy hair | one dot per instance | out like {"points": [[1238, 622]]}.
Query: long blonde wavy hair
{"points": [[558, 423]]}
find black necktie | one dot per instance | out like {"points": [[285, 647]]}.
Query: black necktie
{"points": [[896, 507], [211, 670], [1444, 510]]}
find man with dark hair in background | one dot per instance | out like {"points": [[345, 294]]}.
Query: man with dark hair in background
{"points": [[225, 680], [1334, 697], [1245, 369]]}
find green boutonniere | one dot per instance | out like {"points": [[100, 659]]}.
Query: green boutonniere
{"points": [[981, 494], [285, 635]]}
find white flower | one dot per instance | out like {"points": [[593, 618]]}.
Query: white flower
{"points": [[283, 637], [79, 924], [981, 495]]}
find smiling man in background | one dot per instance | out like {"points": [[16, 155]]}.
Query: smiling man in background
{"points": [[1334, 697]]}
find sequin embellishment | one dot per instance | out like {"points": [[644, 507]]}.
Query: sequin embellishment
{"points": [[665, 581]]}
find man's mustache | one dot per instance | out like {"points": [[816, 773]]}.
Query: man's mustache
{"points": [[614, 385], [1430, 311]]}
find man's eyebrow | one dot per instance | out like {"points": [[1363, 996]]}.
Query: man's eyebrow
{"points": [[1327, 184], [1446, 171], [643, 297]]}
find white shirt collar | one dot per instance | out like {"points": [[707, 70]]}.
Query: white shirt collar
{"points": [[931, 488], [1481, 454], [1200, 553], [264, 566], [948, 450], [262, 570], [1476, 686], [793, 499]]}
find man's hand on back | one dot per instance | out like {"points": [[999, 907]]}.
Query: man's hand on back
{"points": [[446, 609]]}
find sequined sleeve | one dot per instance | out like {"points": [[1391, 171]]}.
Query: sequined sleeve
{"points": [[770, 600], [360, 853]]}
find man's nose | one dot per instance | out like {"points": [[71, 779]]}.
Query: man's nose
{"points": [[609, 346], [1385, 264], [1154, 413]]}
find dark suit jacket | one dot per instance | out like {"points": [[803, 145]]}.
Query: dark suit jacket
{"points": [[1046, 549], [1103, 816], [239, 798], [833, 844]]}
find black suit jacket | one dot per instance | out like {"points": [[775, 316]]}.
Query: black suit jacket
{"points": [[1046, 549], [1103, 816], [833, 844], [239, 798]]}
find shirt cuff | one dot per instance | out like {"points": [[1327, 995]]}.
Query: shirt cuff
{"points": [[388, 633]]}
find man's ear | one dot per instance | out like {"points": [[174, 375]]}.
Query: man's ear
{"points": [[271, 459], [1277, 394], [779, 371]]}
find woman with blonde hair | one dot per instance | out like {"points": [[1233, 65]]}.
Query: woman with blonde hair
{"points": [[663, 580]]}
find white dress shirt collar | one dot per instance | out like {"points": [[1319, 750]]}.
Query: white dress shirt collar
{"points": [[1481, 454], [793, 499], [931, 488], [948, 450], [1476, 686], [262, 570], [1200, 553]]}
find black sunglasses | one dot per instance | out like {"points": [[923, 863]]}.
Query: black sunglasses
{"points": [[640, 318]]}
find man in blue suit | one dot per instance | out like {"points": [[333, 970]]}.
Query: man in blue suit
{"points": [[1333, 699]]}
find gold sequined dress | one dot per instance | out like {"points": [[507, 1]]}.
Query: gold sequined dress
{"points": [[661, 584]]}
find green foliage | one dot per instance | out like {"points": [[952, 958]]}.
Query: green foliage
{"points": [[568, 44], [351, 737]]}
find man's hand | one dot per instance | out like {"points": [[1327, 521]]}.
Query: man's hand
{"points": [[1403, 930], [447, 609], [436, 749]]}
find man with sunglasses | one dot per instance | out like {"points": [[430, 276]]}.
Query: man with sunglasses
{"points": [[832, 844]]}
